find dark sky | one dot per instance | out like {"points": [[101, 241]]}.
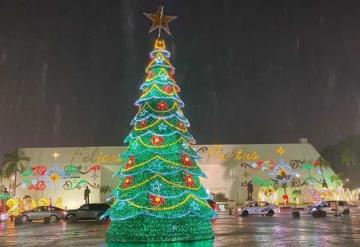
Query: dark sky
{"points": [[250, 71]]}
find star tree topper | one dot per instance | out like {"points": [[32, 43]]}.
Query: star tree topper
{"points": [[159, 20]]}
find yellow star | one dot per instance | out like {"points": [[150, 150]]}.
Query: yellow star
{"points": [[55, 155], [280, 150], [55, 177], [160, 20]]}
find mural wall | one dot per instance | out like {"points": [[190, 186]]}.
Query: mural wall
{"points": [[61, 174], [281, 173], [237, 172]]}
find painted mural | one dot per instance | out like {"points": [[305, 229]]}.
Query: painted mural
{"points": [[70, 177]]}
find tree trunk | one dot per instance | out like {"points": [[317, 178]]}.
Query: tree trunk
{"points": [[15, 183]]}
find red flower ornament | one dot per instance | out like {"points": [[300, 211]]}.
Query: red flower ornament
{"points": [[157, 200], [157, 140], [130, 162], [186, 160], [189, 180], [143, 123], [168, 89], [127, 182], [181, 125], [162, 106]]}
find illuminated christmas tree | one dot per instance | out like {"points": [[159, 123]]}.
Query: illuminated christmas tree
{"points": [[160, 197]]}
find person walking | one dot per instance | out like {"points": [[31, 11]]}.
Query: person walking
{"points": [[86, 195]]}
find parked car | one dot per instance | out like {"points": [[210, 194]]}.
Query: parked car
{"points": [[3, 216], [39, 213], [212, 204], [329, 207], [258, 208], [92, 211]]}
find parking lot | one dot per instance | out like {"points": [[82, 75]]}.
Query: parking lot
{"points": [[280, 230]]}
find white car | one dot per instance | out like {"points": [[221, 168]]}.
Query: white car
{"points": [[258, 208], [3, 216], [329, 207]]}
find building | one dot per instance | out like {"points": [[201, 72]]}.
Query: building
{"points": [[60, 174]]}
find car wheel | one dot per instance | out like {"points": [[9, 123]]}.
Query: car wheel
{"points": [[24, 218], [245, 213], [271, 213], [71, 218], [53, 218], [316, 214], [346, 212]]}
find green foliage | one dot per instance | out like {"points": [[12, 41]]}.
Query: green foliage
{"points": [[220, 197], [345, 157], [296, 193], [337, 179], [262, 182], [13, 164]]}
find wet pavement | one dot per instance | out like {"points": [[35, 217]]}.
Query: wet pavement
{"points": [[279, 230]]}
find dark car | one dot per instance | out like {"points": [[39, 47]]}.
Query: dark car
{"points": [[212, 203], [39, 213], [92, 211]]}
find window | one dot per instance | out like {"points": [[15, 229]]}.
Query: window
{"points": [[325, 204], [94, 206], [36, 209], [342, 203], [84, 207]]}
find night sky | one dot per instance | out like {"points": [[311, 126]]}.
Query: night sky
{"points": [[250, 71]]}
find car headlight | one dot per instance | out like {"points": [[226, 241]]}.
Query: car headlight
{"points": [[313, 209]]}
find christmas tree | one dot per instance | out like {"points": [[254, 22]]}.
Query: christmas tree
{"points": [[160, 197]]}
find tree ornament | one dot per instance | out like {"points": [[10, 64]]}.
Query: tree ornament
{"points": [[168, 89], [127, 181], [143, 123], [162, 106], [157, 200], [172, 73], [130, 162], [157, 140], [185, 159], [150, 75], [181, 125], [189, 180]]}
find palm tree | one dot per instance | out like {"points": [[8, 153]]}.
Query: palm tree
{"points": [[2, 175], [323, 164], [13, 164], [347, 157], [337, 179]]}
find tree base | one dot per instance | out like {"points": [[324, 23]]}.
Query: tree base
{"points": [[151, 229]]}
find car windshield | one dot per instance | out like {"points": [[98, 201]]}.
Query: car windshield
{"points": [[84, 207], [250, 204]]}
